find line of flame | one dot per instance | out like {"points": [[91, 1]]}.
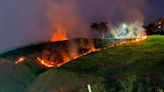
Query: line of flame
{"points": [[52, 64]]}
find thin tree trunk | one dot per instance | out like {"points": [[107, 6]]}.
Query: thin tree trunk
{"points": [[103, 35]]}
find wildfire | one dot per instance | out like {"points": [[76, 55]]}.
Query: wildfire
{"points": [[133, 32], [60, 34], [52, 58], [46, 63], [66, 57], [20, 59], [127, 41], [129, 31], [50, 64], [74, 55], [139, 39]]}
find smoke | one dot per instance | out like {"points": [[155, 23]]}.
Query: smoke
{"points": [[76, 16], [28, 21], [128, 31], [65, 13], [22, 22]]}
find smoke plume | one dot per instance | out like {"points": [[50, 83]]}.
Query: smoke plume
{"points": [[76, 16], [24, 22]]}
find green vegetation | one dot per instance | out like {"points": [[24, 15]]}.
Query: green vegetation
{"points": [[133, 67], [14, 78]]}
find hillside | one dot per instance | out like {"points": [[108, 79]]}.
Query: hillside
{"points": [[60, 45], [136, 67], [132, 67], [15, 77]]}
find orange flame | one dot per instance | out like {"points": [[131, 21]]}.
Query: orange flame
{"points": [[46, 63], [127, 41], [49, 62], [20, 59], [60, 34], [66, 60], [74, 56], [139, 39], [66, 57]]}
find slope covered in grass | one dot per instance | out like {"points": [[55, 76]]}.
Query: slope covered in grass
{"points": [[132, 67], [16, 77]]}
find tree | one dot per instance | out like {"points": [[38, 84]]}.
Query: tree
{"points": [[103, 28], [100, 27], [156, 27]]}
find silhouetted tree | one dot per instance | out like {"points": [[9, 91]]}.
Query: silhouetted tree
{"points": [[103, 28], [156, 27], [100, 27]]}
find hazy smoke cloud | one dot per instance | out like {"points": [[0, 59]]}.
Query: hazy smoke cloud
{"points": [[22, 22], [76, 16], [27, 21]]}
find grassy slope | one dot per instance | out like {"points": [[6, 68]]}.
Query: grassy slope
{"points": [[15, 78], [126, 68]]}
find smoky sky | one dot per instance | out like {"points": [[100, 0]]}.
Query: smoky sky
{"points": [[24, 22]]}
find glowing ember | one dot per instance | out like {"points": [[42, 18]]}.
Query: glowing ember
{"points": [[20, 59], [60, 34]]}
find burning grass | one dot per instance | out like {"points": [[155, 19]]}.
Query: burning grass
{"points": [[60, 54], [49, 60], [139, 63], [130, 65], [54, 58]]}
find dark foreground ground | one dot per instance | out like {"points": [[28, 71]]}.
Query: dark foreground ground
{"points": [[133, 67]]}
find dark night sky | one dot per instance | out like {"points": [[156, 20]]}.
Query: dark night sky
{"points": [[155, 10], [24, 22]]}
